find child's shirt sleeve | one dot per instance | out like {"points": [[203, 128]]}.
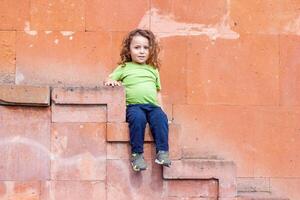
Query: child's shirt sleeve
{"points": [[158, 85], [117, 74]]}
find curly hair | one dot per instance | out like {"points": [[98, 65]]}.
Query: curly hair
{"points": [[153, 48]]}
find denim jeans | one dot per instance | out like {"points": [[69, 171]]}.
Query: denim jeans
{"points": [[137, 115]]}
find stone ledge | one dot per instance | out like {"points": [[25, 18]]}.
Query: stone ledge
{"points": [[223, 171], [24, 95], [113, 97]]}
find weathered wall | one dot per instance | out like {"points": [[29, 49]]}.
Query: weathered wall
{"points": [[230, 70]]}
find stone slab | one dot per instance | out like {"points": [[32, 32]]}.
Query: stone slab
{"points": [[24, 95], [20, 190], [24, 143], [113, 97], [73, 190], [223, 171], [78, 151], [78, 113]]}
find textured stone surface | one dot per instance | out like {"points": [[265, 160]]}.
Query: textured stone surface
{"points": [[60, 58], [78, 113], [219, 131], [223, 171], [73, 190], [230, 79], [192, 188], [277, 141], [290, 70], [210, 12], [253, 184], [124, 183], [247, 74], [120, 18], [284, 186], [25, 143], [14, 14], [259, 196], [7, 57], [173, 47], [114, 98], [17, 190], [24, 95], [265, 17], [57, 15], [79, 151]]}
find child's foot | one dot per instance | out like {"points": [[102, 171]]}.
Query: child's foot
{"points": [[137, 161], [162, 158]]}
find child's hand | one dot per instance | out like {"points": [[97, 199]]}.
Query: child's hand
{"points": [[112, 83]]}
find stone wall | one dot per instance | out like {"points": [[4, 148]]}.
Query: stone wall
{"points": [[230, 80]]}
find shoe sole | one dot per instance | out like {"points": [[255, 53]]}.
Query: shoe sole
{"points": [[137, 169], [162, 163]]}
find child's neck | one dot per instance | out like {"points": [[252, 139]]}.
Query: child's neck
{"points": [[138, 63]]}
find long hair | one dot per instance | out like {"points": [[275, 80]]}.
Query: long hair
{"points": [[153, 48]]}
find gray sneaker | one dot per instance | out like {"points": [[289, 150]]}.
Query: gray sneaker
{"points": [[137, 161], [162, 158]]}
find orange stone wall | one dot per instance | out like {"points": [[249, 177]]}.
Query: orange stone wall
{"points": [[230, 75]]}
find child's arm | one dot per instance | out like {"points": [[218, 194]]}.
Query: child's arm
{"points": [[112, 79]]}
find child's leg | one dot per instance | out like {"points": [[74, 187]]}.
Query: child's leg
{"points": [[136, 118], [158, 122]]}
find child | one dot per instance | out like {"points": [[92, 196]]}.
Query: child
{"points": [[138, 73]]}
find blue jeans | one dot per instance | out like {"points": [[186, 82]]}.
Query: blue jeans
{"points": [[137, 115]]}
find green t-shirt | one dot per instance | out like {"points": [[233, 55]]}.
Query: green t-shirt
{"points": [[141, 82]]}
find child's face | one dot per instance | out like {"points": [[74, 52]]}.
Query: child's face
{"points": [[139, 49]]}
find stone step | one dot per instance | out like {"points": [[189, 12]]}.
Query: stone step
{"points": [[223, 171], [112, 97], [24, 95]]}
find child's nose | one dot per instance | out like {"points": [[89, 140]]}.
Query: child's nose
{"points": [[143, 50]]}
